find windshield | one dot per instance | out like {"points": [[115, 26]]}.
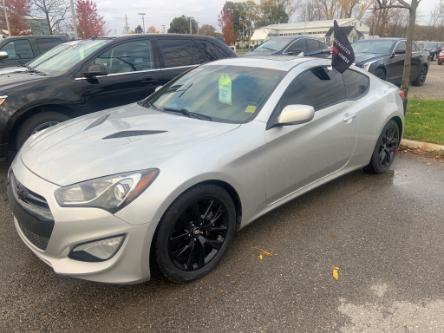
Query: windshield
{"points": [[230, 94], [63, 57], [274, 44], [373, 46]]}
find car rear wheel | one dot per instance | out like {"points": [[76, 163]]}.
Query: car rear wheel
{"points": [[386, 148], [194, 233], [380, 72], [36, 123], [420, 80]]}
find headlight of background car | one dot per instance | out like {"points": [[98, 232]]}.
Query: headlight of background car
{"points": [[3, 99], [367, 66], [111, 193]]}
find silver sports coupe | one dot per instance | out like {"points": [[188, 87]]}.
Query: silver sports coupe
{"points": [[169, 180]]}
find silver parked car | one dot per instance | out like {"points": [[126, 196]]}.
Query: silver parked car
{"points": [[169, 180]]}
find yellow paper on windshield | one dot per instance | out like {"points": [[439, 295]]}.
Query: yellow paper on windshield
{"points": [[225, 86], [250, 109]]}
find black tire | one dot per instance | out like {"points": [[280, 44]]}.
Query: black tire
{"points": [[187, 232], [421, 78], [381, 73], [439, 63], [37, 122], [385, 149]]}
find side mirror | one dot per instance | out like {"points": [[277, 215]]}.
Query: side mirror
{"points": [[3, 55], [295, 114], [158, 88], [399, 51], [95, 70]]}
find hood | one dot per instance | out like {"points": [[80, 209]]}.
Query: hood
{"points": [[263, 53], [16, 78], [117, 140], [8, 70], [362, 58]]}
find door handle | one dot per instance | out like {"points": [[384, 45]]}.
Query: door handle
{"points": [[147, 80], [349, 117]]}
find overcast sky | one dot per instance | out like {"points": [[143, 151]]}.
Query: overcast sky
{"points": [[161, 12]]}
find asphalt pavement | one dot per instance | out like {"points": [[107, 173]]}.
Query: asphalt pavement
{"points": [[381, 235]]}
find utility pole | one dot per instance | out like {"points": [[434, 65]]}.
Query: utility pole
{"points": [[6, 18], [74, 21], [143, 21]]}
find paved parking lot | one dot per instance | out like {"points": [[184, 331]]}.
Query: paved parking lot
{"points": [[434, 85], [385, 233]]}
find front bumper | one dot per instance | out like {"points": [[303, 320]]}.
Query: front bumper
{"points": [[72, 226]]}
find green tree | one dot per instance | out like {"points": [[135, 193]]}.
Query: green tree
{"points": [[138, 30], [273, 12], [181, 25], [207, 29], [243, 17]]}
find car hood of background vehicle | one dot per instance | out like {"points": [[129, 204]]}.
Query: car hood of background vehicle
{"points": [[362, 58], [8, 70], [14, 79], [82, 149]]}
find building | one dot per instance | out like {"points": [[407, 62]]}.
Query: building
{"points": [[37, 25], [317, 29]]}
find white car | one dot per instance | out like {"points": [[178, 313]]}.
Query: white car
{"points": [[169, 180]]}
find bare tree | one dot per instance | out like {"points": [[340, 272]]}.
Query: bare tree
{"points": [[54, 12], [411, 7]]}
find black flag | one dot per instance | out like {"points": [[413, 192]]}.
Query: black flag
{"points": [[342, 53]]}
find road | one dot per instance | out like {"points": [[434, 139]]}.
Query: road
{"points": [[384, 233]]}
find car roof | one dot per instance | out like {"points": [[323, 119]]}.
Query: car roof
{"points": [[393, 39], [283, 63], [169, 36]]}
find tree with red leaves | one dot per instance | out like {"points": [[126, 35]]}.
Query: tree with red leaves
{"points": [[89, 22], [226, 24], [16, 10]]}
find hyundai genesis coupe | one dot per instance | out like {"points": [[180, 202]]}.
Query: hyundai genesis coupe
{"points": [[169, 180]]}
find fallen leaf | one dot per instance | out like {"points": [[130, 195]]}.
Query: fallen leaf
{"points": [[335, 272]]}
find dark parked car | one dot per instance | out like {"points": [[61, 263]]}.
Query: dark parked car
{"points": [[384, 57], [434, 48], [290, 45], [16, 51], [85, 76]]}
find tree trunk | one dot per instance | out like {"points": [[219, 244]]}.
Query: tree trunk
{"points": [[408, 52]]}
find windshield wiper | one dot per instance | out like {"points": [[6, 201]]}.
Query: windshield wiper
{"points": [[188, 114], [33, 70]]}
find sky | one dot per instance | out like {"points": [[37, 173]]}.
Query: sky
{"points": [[161, 12]]}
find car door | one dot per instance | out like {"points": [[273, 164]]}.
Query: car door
{"points": [[296, 47], [132, 75], [313, 46], [297, 155], [19, 51], [396, 66], [177, 55]]}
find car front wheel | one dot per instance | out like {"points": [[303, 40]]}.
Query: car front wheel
{"points": [[194, 233], [386, 148]]}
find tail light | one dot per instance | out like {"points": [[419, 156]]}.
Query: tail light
{"points": [[402, 94]]}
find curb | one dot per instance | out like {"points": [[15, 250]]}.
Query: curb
{"points": [[424, 146]]}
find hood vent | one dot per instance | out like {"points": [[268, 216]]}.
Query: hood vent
{"points": [[127, 134], [97, 122]]}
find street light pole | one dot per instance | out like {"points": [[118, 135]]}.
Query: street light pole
{"points": [[143, 20], [74, 21]]}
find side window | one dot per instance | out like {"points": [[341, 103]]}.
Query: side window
{"points": [[19, 49], [209, 51], [313, 45], [317, 87], [415, 47], [45, 44], [356, 84], [297, 46], [178, 52], [400, 47], [128, 57]]}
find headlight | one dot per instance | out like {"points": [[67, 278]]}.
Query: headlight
{"points": [[110, 193], [3, 99], [367, 66]]}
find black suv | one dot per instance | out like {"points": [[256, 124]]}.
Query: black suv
{"points": [[16, 51], [290, 45], [384, 57], [85, 76]]}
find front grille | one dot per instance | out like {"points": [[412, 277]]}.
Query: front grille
{"points": [[32, 213]]}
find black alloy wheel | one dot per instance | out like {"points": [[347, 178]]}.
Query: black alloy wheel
{"points": [[380, 73], [386, 148], [198, 234], [195, 233], [420, 80]]}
